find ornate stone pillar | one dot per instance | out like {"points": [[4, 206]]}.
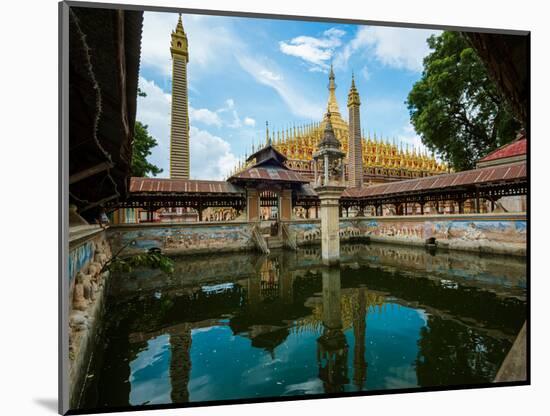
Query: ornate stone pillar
{"points": [[329, 191]]}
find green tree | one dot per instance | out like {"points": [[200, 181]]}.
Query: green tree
{"points": [[141, 149], [455, 107]]}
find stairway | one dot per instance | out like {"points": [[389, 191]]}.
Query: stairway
{"points": [[273, 241]]}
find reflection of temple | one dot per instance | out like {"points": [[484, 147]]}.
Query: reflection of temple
{"points": [[277, 296], [332, 346]]}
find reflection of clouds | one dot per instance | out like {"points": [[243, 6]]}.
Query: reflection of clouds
{"points": [[201, 386], [422, 315], [311, 386], [207, 329], [263, 372], [149, 373], [401, 377]]}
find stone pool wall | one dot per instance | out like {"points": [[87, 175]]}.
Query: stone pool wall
{"points": [[89, 251], [490, 233], [182, 238]]}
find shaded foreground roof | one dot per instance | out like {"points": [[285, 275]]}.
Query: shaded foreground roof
{"points": [[476, 177], [181, 186], [103, 67], [270, 173], [516, 148]]}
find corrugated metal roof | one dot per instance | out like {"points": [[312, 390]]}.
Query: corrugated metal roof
{"points": [[502, 173], [516, 148], [159, 185], [269, 173]]}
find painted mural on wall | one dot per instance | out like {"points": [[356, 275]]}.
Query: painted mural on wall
{"points": [[184, 239], [459, 233], [306, 232], [496, 231], [466, 230]]}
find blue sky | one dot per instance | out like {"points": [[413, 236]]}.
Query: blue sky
{"points": [[243, 72]]}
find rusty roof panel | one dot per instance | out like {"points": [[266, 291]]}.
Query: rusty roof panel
{"points": [[270, 174], [159, 185], [511, 172]]}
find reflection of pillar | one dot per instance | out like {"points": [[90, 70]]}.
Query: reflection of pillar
{"points": [[253, 205], [180, 366], [254, 290], [332, 347], [286, 288], [332, 314], [359, 332]]}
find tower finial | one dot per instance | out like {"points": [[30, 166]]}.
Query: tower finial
{"points": [[267, 138]]}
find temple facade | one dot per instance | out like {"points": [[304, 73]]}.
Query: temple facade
{"points": [[368, 159]]}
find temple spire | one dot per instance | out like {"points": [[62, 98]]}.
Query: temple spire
{"points": [[355, 149], [267, 138], [179, 125]]}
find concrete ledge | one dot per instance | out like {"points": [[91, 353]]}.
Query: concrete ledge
{"points": [[514, 366]]}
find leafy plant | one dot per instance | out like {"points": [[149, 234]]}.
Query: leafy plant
{"points": [[155, 260]]}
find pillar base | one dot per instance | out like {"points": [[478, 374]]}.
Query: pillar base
{"points": [[330, 223]]}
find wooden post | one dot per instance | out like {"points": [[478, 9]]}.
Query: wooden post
{"points": [[199, 210]]}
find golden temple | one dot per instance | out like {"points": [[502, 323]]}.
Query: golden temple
{"points": [[383, 160]]}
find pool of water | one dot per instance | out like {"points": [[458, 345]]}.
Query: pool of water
{"points": [[242, 326]]}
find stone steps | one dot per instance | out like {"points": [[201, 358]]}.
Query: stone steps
{"points": [[274, 242]]}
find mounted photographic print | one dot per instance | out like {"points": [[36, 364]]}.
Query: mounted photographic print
{"points": [[266, 208]]}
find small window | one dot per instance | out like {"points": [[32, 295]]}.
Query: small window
{"points": [[179, 44]]}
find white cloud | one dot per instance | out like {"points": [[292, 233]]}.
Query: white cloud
{"points": [[400, 48], [211, 156], [365, 72], [209, 41], [314, 51], [249, 121], [270, 75], [293, 97], [230, 103], [409, 137], [205, 116], [212, 40]]}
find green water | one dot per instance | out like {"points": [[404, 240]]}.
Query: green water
{"points": [[243, 326]]}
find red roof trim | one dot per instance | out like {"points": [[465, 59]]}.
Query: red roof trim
{"points": [[516, 148]]}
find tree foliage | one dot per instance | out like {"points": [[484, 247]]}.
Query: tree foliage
{"points": [[455, 107], [141, 149]]}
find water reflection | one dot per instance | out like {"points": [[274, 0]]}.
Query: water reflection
{"points": [[332, 346], [246, 326]]}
